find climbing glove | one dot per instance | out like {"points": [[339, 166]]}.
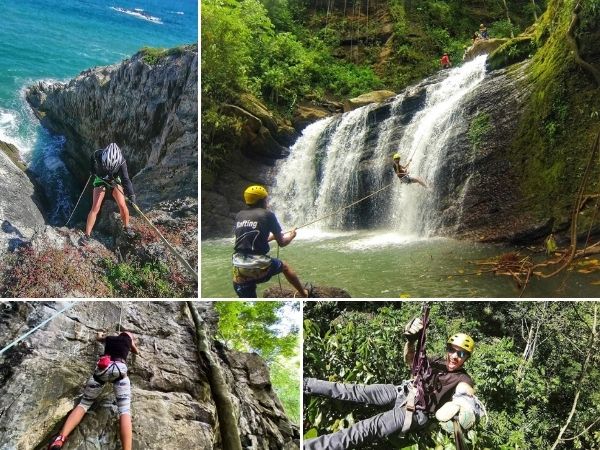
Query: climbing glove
{"points": [[412, 330], [467, 409]]}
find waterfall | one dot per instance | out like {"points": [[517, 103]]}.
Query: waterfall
{"points": [[339, 160]]}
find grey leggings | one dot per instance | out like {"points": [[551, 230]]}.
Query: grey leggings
{"points": [[122, 388], [368, 430]]}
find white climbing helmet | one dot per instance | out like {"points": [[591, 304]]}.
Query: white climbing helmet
{"points": [[112, 158]]}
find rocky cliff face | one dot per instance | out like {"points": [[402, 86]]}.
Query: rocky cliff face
{"points": [[172, 404], [147, 104], [20, 217]]}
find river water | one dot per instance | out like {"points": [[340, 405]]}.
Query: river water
{"points": [[381, 264]]}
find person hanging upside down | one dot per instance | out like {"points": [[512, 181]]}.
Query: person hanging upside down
{"points": [[448, 391], [254, 228], [402, 172], [109, 168], [110, 368]]}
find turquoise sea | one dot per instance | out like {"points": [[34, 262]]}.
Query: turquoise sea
{"points": [[58, 39]]}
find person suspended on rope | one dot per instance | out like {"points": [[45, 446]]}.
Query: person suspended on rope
{"points": [[447, 388], [109, 168], [483, 32], [445, 61], [111, 367], [402, 172], [254, 228]]}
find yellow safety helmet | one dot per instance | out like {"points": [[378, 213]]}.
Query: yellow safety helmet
{"points": [[396, 156], [252, 194], [463, 341]]}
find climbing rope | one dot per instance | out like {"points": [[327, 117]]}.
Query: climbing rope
{"points": [[185, 264], [16, 341], [329, 215], [78, 200], [120, 316], [346, 207]]}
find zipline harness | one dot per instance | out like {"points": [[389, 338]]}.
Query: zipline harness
{"points": [[420, 371]]}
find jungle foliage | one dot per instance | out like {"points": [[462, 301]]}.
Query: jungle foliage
{"points": [[288, 51], [534, 364]]}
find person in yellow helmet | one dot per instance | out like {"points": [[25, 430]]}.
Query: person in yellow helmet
{"points": [[254, 228], [402, 172], [449, 393]]}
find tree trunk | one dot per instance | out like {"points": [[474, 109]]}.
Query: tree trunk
{"points": [[230, 433]]}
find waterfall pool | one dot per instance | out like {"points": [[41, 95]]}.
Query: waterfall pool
{"points": [[370, 264]]}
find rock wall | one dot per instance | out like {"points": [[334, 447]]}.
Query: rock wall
{"points": [[20, 217], [172, 406], [149, 109]]}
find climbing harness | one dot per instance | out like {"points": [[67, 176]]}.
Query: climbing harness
{"points": [[79, 199], [37, 327], [185, 264]]}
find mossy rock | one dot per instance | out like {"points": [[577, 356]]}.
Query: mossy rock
{"points": [[513, 51], [13, 153]]}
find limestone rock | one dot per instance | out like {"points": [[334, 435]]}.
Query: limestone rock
{"points": [[366, 99], [482, 47], [149, 109], [172, 405], [20, 217], [318, 292]]}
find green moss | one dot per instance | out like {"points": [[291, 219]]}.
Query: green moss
{"points": [[479, 127], [513, 51], [557, 126]]}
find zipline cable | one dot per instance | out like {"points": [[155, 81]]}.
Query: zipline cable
{"points": [[78, 200], [37, 327]]}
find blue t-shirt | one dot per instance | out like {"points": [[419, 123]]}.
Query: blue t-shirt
{"points": [[252, 228]]}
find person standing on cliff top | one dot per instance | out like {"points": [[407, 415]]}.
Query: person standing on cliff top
{"points": [[111, 367], [254, 228], [109, 168]]}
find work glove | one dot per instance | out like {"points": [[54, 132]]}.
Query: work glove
{"points": [[413, 329], [466, 408]]}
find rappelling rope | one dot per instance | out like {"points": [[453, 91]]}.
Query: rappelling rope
{"points": [[329, 215], [16, 341], [120, 316], [78, 200], [181, 259], [346, 207]]}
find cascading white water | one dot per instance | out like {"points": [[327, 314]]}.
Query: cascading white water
{"points": [[322, 173], [425, 145]]}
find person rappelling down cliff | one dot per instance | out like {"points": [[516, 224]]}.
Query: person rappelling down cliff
{"points": [[111, 367], [109, 169], [402, 172]]}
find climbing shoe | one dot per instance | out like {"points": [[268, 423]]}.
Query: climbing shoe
{"points": [[57, 443], [129, 232], [84, 240]]}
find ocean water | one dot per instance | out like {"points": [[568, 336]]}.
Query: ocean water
{"points": [[58, 39]]}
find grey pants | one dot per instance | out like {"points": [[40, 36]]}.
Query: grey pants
{"points": [[368, 430]]}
